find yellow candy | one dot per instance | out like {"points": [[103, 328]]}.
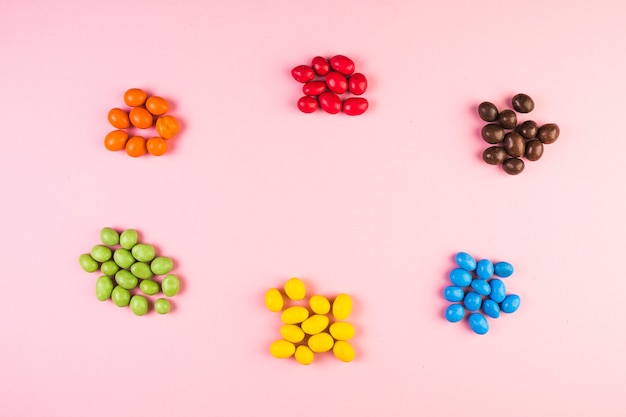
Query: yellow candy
{"points": [[292, 333], [294, 315], [304, 355], [343, 351], [274, 300], [319, 304], [342, 307], [282, 349], [295, 290], [321, 342], [315, 324], [341, 330]]}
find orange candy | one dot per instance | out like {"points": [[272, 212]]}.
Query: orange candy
{"points": [[118, 118], [157, 146], [140, 118], [157, 105], [167, 127], [115, 140], [136, 146], [135, 97]]}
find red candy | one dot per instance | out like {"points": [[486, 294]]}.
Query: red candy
{"points": [[357, 84], [336, 82], [307, 104], [343, 64], [330, 102], [355, 106], [314, 88], [303, 73], [320, 65]]}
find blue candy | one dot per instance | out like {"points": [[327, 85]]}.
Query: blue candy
{"points": [[472, 301], [510, 304], [465, 261], [460, 277], [478, 323], [484, 269], [453, 293], [491, 308], [503, 269], [481, 286], [498, 290], [454, 313]]}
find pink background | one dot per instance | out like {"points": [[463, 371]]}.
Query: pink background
{"points": [[255, 192]]}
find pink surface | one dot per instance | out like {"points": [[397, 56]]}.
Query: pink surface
{"points": [[256, 192]]}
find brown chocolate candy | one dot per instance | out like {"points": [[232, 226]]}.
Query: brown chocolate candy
{"points": [[548, 133], [534, 150], [514, 144], [523, 103], [488, 111], [494, 155], [507, 119], [492, 133], [528, 129], [513, 166]]}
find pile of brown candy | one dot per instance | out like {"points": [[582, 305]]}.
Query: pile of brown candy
{"points": [[512, 141]]}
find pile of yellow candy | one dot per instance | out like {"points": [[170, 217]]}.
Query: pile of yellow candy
{"points": [[307, 331]]}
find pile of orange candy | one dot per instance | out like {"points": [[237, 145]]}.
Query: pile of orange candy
{"points": [[146, 112]]}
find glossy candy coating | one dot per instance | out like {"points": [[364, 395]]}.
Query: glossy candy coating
{"points": [[460, 277], [295, 289], [126, 279], [481, 286], [118, 118], [314, 88], [135, 97], [330, 102], [120, 296], [528, 129], [484, 269], [101, 253], [342, 307], [170, 285], [157, 105], [88, 263], [548, 133], [342, 64], [167, 126], [136, 146], [355, 106], [453, 293], [149, 287], [513, 166], [503, 269], [507, 119], [498, 290], [472, 301], [128, 238], [343, 351], [109, 236], [292, 333], [116, 140], [109, 268], [307, 104], [320, 65], [274, 300], [304, 355], [319, 304], [140, 118], [294, 315], [282, 349], [341, 330], [104, 288], [156, 146], [494, 155], [478, 323], [510, 304], [161, 265], [141, 270], [321, 342], [455, 313], [492, 133], [523, 103], [143, 252], [162, 306], [336, 82], [488, 111], [514, 144], [491, 308], [123, 258], [315, 324], [139, 305], [357, 84], [534, 150], [303, 73], [465, 260]]}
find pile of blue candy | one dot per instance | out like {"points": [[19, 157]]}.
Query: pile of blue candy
{"points": [[475, 286]]}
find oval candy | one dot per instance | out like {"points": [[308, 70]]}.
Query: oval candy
{"points": [[126, 279], [491, 308], [472, 301], [503, 269], [341, 330], [319, 304], [307, 104], [342, 307], [478, 323], [355, 106], [465, 261], [161, 265], [295, 289], [481, 286], [357, 84], [304, 355], [330, 102], [484, 269], [294, 315], [454, 313], [343, 351], [139, 305], [315, 324], [453, 293], [342, 64], [141, 270], [149, 287], [170, 285], [302, 73], [336, 82], [313, 88], [162, 306], [104, 288], [282, 349], [123, 258], [498, 290], [292, 333], [320, 65], [274, 300], [321, 342], [143, 252], [510, 304], [120, 296], [460, 277], [88, 263]]}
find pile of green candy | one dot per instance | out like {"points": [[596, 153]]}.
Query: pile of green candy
{"points": [[127, 267]]}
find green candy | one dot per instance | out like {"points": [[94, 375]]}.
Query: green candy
{"points": [[143, 252], [109, 268], [123, 258], [149, 287], [162, 306], [109, 236], [170, 285], [88, 263], [139, 305], [141, 270], [101, 253], [104, 288], [125, 279], [161, 265], [128, 239], [120, 296]]}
